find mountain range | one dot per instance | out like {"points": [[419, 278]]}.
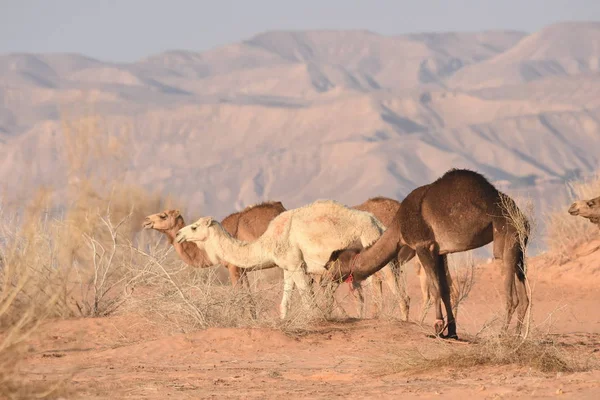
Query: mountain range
{"points": [[296, 116]]}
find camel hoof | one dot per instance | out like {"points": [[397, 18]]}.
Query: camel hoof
{"points": [[453, 336], [439, 327]]}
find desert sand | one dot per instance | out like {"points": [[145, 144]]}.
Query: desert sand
{"points": [[130, 356]]}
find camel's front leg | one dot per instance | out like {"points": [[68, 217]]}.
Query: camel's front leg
{"points": [[288, 287], [435, 267], [302, 282]]}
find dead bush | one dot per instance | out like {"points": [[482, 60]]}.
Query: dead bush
{"points": [[30, 292], [541, 353]]}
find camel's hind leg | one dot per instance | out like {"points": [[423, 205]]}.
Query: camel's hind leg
{"points": [[515, 290], [435, 268], [425, 292]]}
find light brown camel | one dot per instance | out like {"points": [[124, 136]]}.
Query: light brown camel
{"points": [[589, 209], [300, 241], [458, 212], [246, 225]]}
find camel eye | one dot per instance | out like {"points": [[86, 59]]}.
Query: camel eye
{"points": [[590, 203], [163, 217], [194, 228]]}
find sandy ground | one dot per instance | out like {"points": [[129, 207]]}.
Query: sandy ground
{"points": [[127, 356]]}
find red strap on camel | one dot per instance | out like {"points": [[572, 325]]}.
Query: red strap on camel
{"points": [[350, 277]]}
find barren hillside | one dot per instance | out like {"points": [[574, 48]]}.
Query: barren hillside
{"points": [[297, 116]]}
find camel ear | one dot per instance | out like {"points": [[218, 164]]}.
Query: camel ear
{"points": [[176, 213], [209, 221]]}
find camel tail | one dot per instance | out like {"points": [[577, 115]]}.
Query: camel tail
{"points": [[521, 271], [521, 267]]}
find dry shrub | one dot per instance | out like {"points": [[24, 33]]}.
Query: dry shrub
{"points": [[462, 268], [188, 298], [542, 354], [30, 292], [102, 216], [564, 231], [70, 252]]}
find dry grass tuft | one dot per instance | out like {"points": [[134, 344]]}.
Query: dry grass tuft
{"points": [[189, 299], [541, 354], [74, 257], [30, 293], [564, 231]]}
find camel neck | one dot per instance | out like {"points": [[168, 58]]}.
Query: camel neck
{"points": [[188, 251], [375, 257], [223, 246]]}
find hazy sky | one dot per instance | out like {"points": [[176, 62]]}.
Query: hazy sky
{"points": [[128, 30]]}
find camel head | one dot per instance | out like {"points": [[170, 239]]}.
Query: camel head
{"points": [[339, 265], [199, 231], [589, 209], [163, 221]]}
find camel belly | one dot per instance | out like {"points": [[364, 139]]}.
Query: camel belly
{"points": [[451, 242]]}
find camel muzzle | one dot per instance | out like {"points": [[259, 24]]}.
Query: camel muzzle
{"points": [[574, 209], [148, 224]]}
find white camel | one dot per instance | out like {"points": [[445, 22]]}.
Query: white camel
{"points": [[299, 241]]}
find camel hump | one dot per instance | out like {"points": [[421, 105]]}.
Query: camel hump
{"points": [[465, 178]]}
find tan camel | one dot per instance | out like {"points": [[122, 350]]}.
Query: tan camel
{"points": [[299, 241], [246, 225], [458, 212], [589, 209]]}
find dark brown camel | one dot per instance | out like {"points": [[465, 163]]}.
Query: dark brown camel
{"points": [[246, 225], [458, 212], [589, 209], [385, 210]]}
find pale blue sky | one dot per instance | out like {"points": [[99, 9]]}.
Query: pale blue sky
{"points": [[128, 30]]}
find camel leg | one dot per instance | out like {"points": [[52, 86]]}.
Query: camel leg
{"points": [[234, 275], [302, 282], [516, 297], [288, 287], [435, 268], [425, 292]]}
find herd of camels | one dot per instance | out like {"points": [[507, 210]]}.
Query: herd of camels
{"points": [[460, 211]]}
